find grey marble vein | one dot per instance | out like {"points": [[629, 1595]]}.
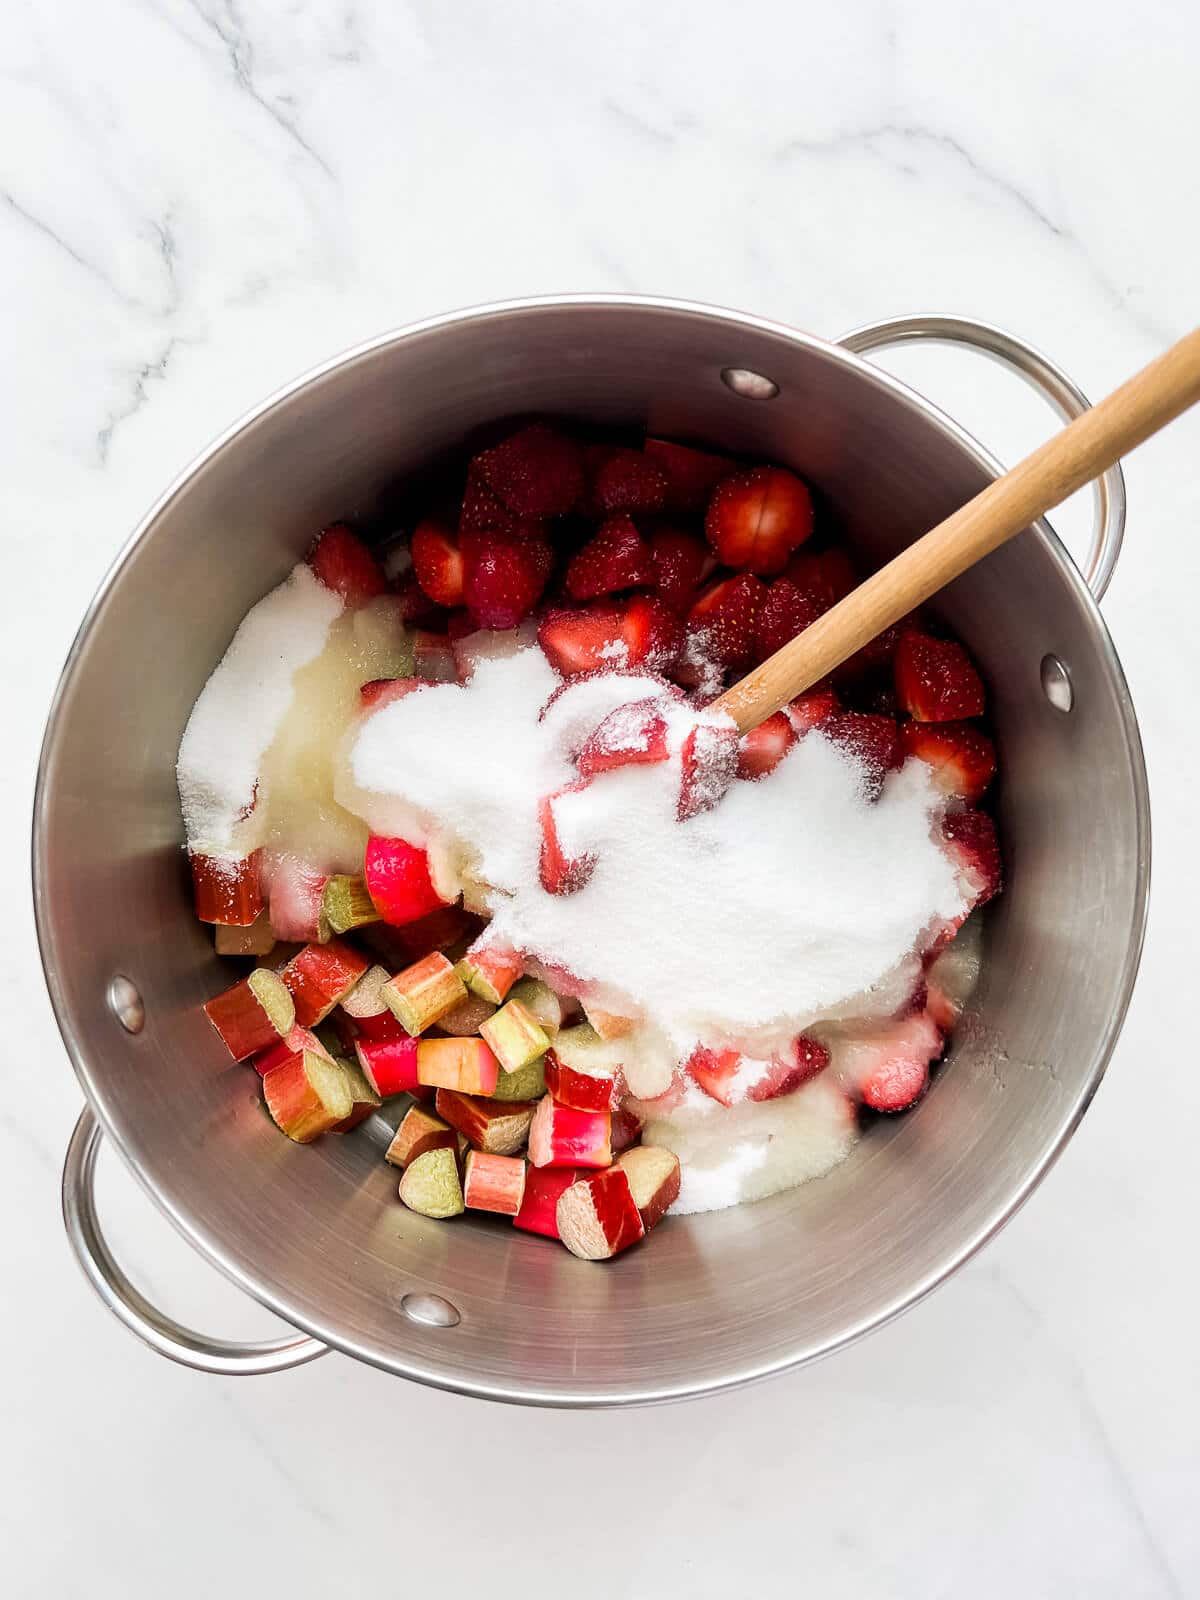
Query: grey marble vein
{"points": [[139, 396], [85, 263]]}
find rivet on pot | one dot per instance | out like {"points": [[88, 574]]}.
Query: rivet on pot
{"points": [[1056, 684], [750, 385], [126, 1004], [430, 1310]]}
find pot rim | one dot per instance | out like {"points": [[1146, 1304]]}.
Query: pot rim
{"points": [[211, 1248]]}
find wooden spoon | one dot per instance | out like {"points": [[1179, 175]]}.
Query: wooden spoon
{"points": [[1082, 451]]}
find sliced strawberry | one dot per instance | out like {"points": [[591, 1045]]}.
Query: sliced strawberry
{"points": [[763, 748], [708, 762], [416, 609], [382, 692], [616, 558], [714, 1071], [627, 480], [757, 518], [680, 563], [962, 759], [484, 512], [830, 573], [652, 633], [810, 709], [344, 564], [972, 844], [804, 1059], [873, 742], [587, 640], [560, 873], [691, 475], [438, 563], [893, 1065], [632, 735], [935, 680], [536, 472], [722, 623], [503, 577], [786, 611]]}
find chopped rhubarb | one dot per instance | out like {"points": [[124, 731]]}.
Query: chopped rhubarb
{"points": [[500, 1130], [253, 1014], [443, 929], [490, 970], [541, 1002], [422, 993], [709, 763], [691, 475], [320, 977], [431, 1185], [389, 1065], [804, 1059], [367, 1008], [515, 1037], [297, 901], [258, 939], [763, 748], [559, 872], [626, 1129], [347, 903], [464, 1020], [527, 1084], [653, 1175], [463, 1064], [307, 1096], [632, 735], [561, 1136], [344, 564], [961, 760], [493, 1183], [227, 889], [544, 1186], [608, 1025], [756, 519], [295, 1040], [364, 1098], [936, 680], [398, 879], [598, 1216], [584, 1091], [419, 1130]]}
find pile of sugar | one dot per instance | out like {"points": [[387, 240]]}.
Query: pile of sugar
{"points": [[243, 704], [791, 898]]}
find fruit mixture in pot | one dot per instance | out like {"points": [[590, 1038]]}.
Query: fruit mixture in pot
{"points": [[503, 876]]}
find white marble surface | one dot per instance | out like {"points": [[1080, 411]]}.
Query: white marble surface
{"points": [[200, 198]]}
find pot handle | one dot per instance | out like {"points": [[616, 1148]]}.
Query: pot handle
{"points": [[150, 1325], [1063, 393]]}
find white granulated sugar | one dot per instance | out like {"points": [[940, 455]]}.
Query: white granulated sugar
{"points": [[243, 703], [742, 925]]}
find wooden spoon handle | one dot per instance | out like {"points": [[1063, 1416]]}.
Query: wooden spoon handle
{"points": [[1080, 452]]}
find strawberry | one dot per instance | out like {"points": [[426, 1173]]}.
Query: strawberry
{"points": [[536, 472], [680, 562], [971, 842], [786, 611], [652, 633], [438, 563], [723, 620], [416, 609], [344, 564], [935, 680], [587, 640], [871, 740], [708, 762], [484, 512], [763, 748], [962, 759], [812, 708], [757, 518], [714, 1072], [381, 692], [804, 1060], [627, 480], [616, 558], [632, 735], [691, 475], [829, 574], [503, 577], [893, 1065], [558, 872]]}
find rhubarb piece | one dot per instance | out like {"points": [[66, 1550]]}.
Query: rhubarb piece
{"points": [[433, 657], [608, 1025], [295, 1040], [756, 519], [364, 1098], [422, 993], [716, 1072], [872, 741], [500, 1130], [515, 1037], [467, 1065], [544, 1186], [297, 897], [227, 889], [444, 929], [344, 564], [490, 970], [347, 903], [536, 472], [430, 1185], [367, 1008], [971, 843], [628, 480], [631, 735], [389, 1065], [935, 679], [558, 872], [803, 1061], [680, 565], [541, 1002], [307, 1096], [786, 611], [691, 475], [708, 765], [810, 709], [653, 1175], [570, 1086], [253, 1014], [380, 692], [763, 748], [722, 624], [338, 1034], [503, 577], [961, 760], [321, 977], [598, 1216], [626, 1129], [419, 1130], [399, 881], [256, 939], [438, 563], [527, 1084], [561, 1136], [494, 1183], [615, 558], [464, 1020]]}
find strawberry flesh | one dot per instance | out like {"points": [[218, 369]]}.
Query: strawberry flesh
{"points": [[722, 624], [643, 633], [382, 692], [680, 563], [709, 762], [971, 841], [616, 558], [503, 577], [763, 748], [935, 679], [871, 740], [484, 512], [757, 518], [558, 872], [900, 1071], [343, 563], [627, 480], [536, 472], [810, 709], [631, 735], [714, 1071], [786, 610], [802, 1062], [691, 475], [438, 563], [962, 760], [829, 575]]}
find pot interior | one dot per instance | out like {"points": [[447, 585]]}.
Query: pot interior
{"points": [[317, 1233]]}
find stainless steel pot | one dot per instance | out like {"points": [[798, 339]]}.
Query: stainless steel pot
{"points": [[316, 1234]]}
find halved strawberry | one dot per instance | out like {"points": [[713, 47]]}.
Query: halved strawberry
{"points": [[801, 1062], [935, 679], [632, 735], [560, 873], [763, 748], [786, 611], [537, 472], [344, 564], [652, 633], [757, 518], [972, 844], [438, 563], [714, 1072], [810, 709], [830, 573], [708, 763], [872, 740], [893, 1065], [627, 480], [503, 577], [485, 512], [616, 558], [691, 475], [723, 620], [962, 759], [382, 691], [587, 640], [680, 563]]}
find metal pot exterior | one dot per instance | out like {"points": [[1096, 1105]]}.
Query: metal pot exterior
{"points": [[316, 1233]]}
